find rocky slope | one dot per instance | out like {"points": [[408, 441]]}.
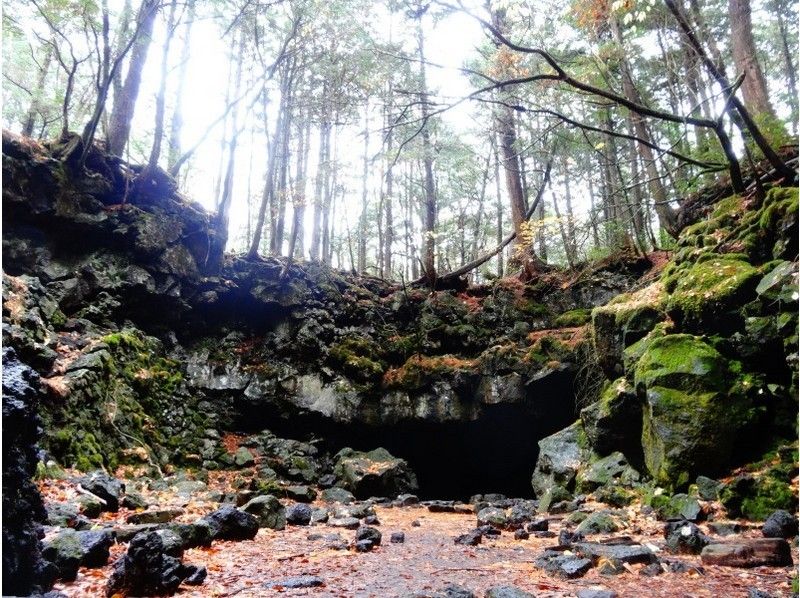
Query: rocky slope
{"points": [[624, 380]]}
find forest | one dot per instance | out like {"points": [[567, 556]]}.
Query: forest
{"points": [[400, 298], [400, 139]]}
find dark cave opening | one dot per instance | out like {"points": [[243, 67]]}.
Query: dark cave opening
{"points": [[454, 460]]}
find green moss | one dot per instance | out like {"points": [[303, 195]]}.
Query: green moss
{"points": [[58, 319], [704, 289], [575, 317], [683, 362], [547, 350], [420, 370], [532, 308], [358, 358], [125, 339]]}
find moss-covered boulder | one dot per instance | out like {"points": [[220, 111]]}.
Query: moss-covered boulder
{"points": [[701, 291], [614, 422], [693, 411], [561, 457], [623, 321]]}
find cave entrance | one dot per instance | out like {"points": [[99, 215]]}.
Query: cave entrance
{"points": [[495, 453]]}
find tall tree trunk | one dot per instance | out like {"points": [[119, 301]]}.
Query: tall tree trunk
{"points": [[666, 214], [743, 48], [119, 127], [158, 134], [429, 223], [789, 67], [362, 220], [319, 185], [498, 208], [36, 99], [330, 191], [176, 123], [222, 217]]}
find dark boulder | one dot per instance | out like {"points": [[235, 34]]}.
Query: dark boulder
{"points": [[95, 545], [684, 537], [298, 514], [105, 487], [66, 553], [230, 523], [781, 524], [368, 534], [146, 570], [375, 473], [24, 570]]}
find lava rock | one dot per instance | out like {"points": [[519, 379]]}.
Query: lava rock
{"points": [[364, 546], [707, 488], [145, 570], [566, 537], [194, 575], [371, 520], [296, 583], [567, 566], [375, 473], [344, 522], [229, 523], [626, 553], [192, 535], [298, 514], [134, 501], [397, 538], [726, 528], [601, 522], [596, 593], [406, 500], [682, 506], [540, 525], [66, 553], [301, 493], [24, 570], [154, 516], [493, 516], [340, 495], [684, 537], [368, 534], [781, 524], [95, 545], [521, 534], [104, 486], [472, 538], [651, 570], [772, 552], [267, 510], [507, 592]]}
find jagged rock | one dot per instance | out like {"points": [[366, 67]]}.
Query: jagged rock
{"points": [[192, 535], [229, 523], [493, 516], [104, 487], [397, 538], [66, 552], [173, 543], [681, 506], [725, 528], [781, 524], [561, 456], [567, 566], [339, 495], [154, 516], [95, 545], [757, 552], [375, 473], [298, 514], [301, 493], [368, 534], [601, 522], [296, 583], [611, 424], [24, 570], [507, 592], [472, 538], [146, 570], [134, 501], [707, 488], [684, 537], [64, 514], [267, 510], [633, 553], [243, 457], [344, 522]]}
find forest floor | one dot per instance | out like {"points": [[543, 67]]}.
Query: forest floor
{"points": [[425, 563]]}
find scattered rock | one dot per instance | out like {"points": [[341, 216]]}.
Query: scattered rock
{"points": [[296, 583], [243, 457], [771, 552], [596, 593], [66, 553], [230, 523], [146, 570], [364, 546], [345, 522], [406, 500], [374, 473], [267, 510], [566, 537], [301, 493], [521, 534], [682, 506], [397, 538], [601, 522], [493, 516], [651, 570], [95, 545], [298, 514], [684, 537], [707, 488], [154, 516], [134, 501], [507, 592], [540, 525], [781, 524], [366, 533], [626, 553], [567, 566], [103, 486], [725, 528], [89, 506], [340, 495], [472, 538]]}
